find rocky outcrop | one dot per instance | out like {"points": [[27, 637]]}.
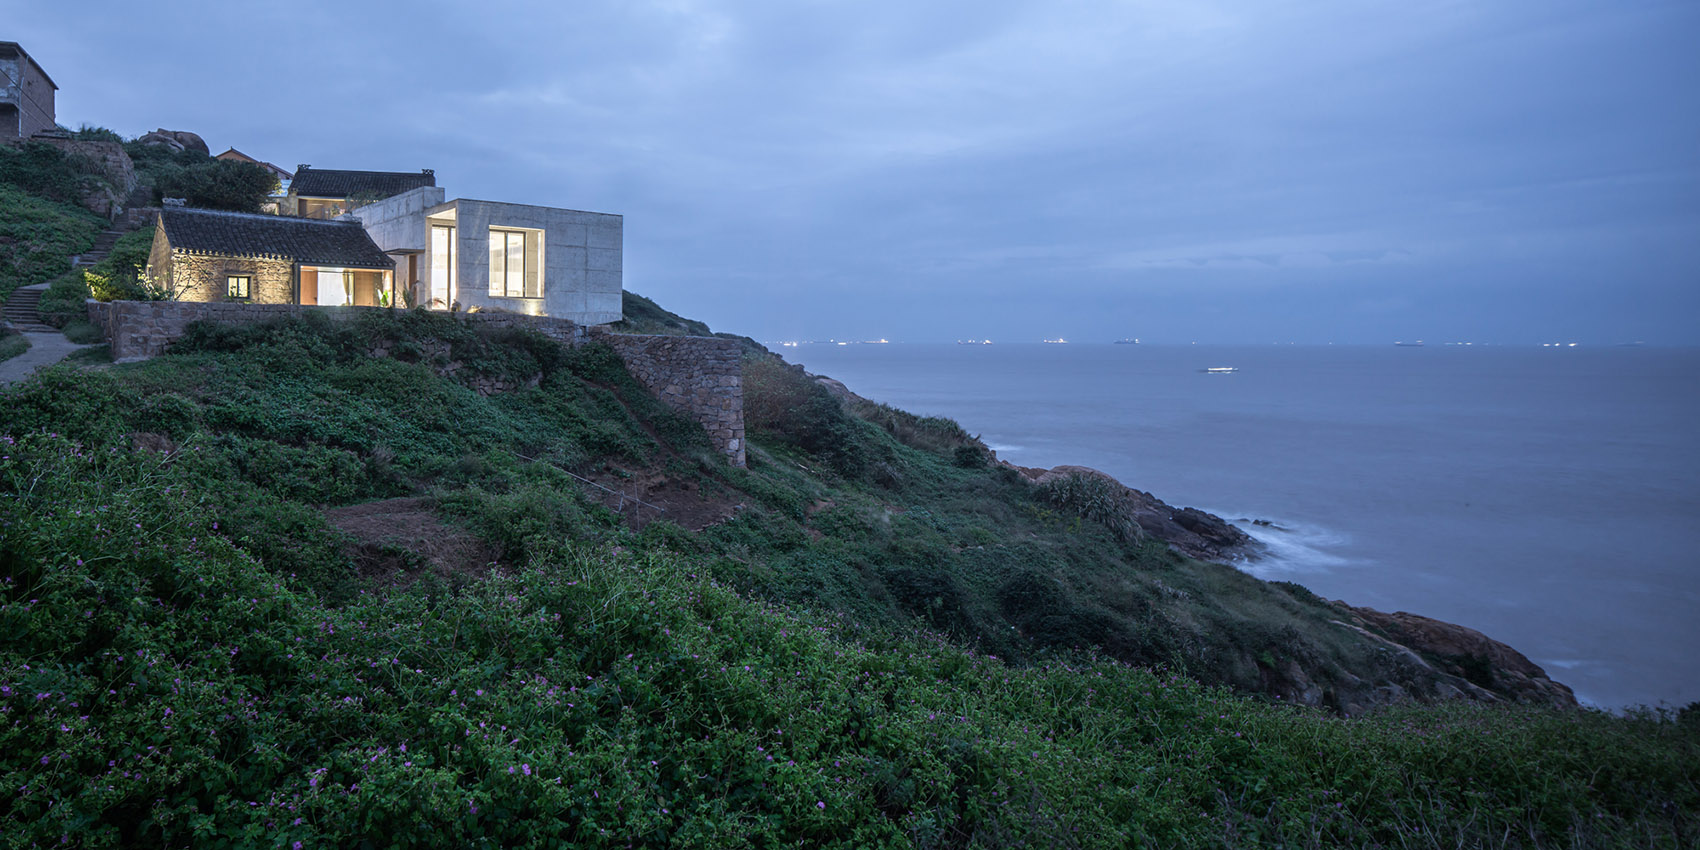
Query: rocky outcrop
{"points": [[1462, 653], [1192, 532], [177, 140]]}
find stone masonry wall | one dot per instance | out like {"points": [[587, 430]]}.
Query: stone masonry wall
{"points": [[203, 277], [701, 377]]}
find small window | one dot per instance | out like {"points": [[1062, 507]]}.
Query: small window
{"points": [[236, 286]]}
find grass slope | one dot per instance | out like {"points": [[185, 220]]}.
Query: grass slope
{"points": [[188, 653]]}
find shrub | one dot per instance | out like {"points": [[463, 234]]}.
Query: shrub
{"points": [[38, 237], [784, 403], [12, 344], [1097, 499], [65, 299]]}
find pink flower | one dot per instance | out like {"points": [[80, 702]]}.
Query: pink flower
{"points": [[819, 804]]}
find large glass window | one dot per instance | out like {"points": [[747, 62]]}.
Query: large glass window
{"points": [[515, 264], [336, 287], [442, 267]]}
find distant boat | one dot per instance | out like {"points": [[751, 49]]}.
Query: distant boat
{"points": [[1058, 341], [973, 342], [1221, 370], [1127, 342], [1417, 344]]}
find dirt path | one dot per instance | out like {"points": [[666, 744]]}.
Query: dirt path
{"points": [[45, 349]]}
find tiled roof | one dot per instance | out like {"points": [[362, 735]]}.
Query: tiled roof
{"points": [[304, 240], [330, 183]]}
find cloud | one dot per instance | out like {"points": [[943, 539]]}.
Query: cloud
{"points": [[786, 164]]}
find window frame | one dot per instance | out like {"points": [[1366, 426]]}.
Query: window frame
{"points": [[230, 287], [530, 253]]}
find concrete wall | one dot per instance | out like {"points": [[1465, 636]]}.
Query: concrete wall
{"points": [[700, 377], [27, 97], [398, 223], [582, 264]]}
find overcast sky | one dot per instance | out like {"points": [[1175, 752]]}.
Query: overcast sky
{"points": [[1246, 171]]}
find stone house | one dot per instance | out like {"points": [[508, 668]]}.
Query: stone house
{"points": [[489, 256], [208, 255], [26, 94], [325, 192]]}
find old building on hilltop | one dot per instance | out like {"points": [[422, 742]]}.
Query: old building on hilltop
{"points": [[325, 192], [208, 255]]}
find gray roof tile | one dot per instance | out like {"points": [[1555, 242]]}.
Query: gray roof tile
{"points": [[331, 183], [304, 240]]}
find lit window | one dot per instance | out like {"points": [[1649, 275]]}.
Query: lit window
{"points": [[442, 267], [515, 264], [236, 286]]}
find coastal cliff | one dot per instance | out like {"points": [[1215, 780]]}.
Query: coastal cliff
{"points": [[1376, 659]]}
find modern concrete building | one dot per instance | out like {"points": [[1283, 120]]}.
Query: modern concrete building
{"points": [[485, 255], [26, 94], [325, 192], [208, 255]]}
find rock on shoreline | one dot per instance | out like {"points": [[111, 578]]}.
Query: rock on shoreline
{"points": [[1189, 531]]}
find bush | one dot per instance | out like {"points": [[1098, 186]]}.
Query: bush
{"points": [[782, 402], [65, 299], [1097, 499], [216, 184], [81, 332], [44, 171], [12, 344], [38, 237]]}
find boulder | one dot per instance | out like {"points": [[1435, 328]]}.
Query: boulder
{"points": [[177, 140], [1468, 655]]}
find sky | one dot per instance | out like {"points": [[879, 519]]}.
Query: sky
{"points": [[1254, 171]]}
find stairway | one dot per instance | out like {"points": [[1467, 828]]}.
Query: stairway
{"points": [[102, 246], [20, 309]]}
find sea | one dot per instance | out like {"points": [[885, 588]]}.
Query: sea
{"points": [[1547, 496]]}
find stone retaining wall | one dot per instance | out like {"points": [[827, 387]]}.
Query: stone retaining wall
{"points": [[701, 377], [698, 375]]}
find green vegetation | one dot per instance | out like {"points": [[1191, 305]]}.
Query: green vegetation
{"points": [[38, 237], [191, 652], [12, 344], [118, 277], [199, 179]]}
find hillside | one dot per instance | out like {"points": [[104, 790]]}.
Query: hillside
{"points": [[273, 587]]}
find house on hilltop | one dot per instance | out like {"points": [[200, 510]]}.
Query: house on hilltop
{"points": [[26, 94], [209, 255], [325, 192], [486, 255]]}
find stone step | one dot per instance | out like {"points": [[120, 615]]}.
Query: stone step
{"points": [[21, 309], [99, 251]]}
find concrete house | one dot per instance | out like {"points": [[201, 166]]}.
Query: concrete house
{"points": [[26, 94], [325, 192], [490, 256], [207, 255]]}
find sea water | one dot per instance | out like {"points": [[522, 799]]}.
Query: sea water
{"points": [[1548, 497]]}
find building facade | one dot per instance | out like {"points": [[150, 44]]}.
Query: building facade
{"points": [[489, 256], [327, 193], [26, 94], [213, 256]]}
